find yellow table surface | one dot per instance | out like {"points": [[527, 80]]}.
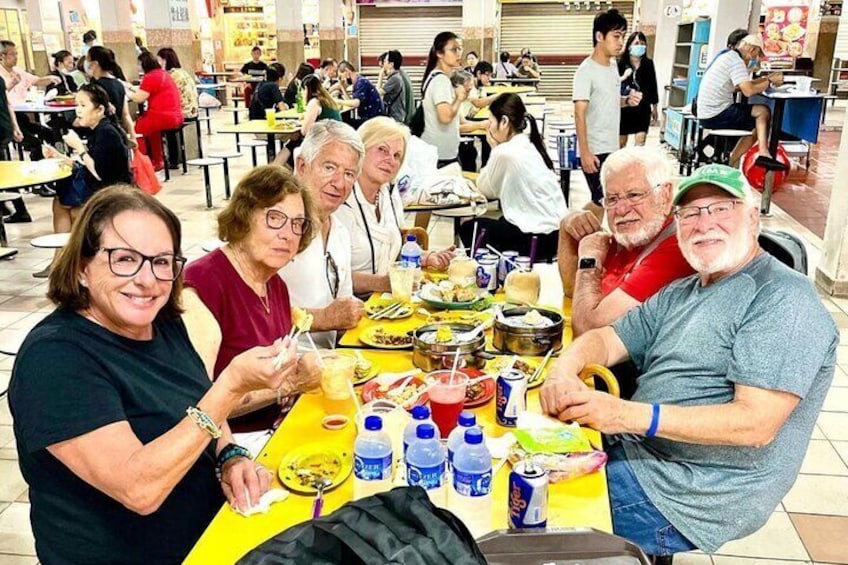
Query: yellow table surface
{"points": [[498, 89], [582, 502], [21, 174], [535, 110], [257, 127]]}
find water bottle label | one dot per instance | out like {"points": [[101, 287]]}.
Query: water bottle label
{"points": [[410, 260], [472, 484], [372, 468], [426, 477]]}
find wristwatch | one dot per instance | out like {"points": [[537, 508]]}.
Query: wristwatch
{"points": [[587, 263]]}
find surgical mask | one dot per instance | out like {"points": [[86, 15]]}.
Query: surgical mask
{"points": [[86, 66], [753, 64], [638, 50]]}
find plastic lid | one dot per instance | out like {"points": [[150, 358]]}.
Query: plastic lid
{"points": [[474, 436], [467, 419], [373, 423], [410, 237], [425, 431], [420, 413]]}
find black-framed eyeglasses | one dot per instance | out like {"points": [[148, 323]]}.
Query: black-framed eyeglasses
{"points": [[124, 262], [332, 272], [631, 197], [275, 220], [718, 210]]}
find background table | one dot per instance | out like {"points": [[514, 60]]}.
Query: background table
{"points": [[260, 127], [423, 211]]}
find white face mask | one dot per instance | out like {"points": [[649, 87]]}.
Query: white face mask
{"points": [[87, 67]]}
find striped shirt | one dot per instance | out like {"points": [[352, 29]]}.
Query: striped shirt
{"points": [[718, 86]]}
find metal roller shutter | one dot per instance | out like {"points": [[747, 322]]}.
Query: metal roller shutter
{"points": [[560, 38]]}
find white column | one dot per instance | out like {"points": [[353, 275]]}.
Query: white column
{"points": [[728, 15], [832, 272], [666, 37], [478, 27], [330, 31], [289, 33]]}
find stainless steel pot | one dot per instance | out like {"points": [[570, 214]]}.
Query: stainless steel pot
{"points": [[437, 356], [527, 340]]}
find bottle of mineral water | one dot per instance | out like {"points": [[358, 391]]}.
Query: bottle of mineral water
{"points": [[410, 256], [470, 495], [420, 415], [425, 464], [467, 419], [372, 459]]}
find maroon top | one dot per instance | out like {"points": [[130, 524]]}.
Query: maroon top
{"points": [[243, 320]]}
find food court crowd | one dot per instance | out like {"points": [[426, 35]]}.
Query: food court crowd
{"points": [[164, 378]]}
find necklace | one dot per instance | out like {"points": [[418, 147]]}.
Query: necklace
{"points": [[262, 296]]}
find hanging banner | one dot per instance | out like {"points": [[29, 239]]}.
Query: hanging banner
{"points": [[784, 33]]}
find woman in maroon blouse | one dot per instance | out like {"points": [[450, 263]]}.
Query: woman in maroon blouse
{"points": [[233, 297]]}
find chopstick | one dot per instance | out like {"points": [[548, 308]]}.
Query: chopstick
{"points": [[541, 366], [391, 308]]}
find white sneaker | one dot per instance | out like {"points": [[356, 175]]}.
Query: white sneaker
{"points": [[161, 176]]}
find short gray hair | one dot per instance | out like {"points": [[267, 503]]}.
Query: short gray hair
{"points": [[460, 76], [653, 161], [325, 132]]}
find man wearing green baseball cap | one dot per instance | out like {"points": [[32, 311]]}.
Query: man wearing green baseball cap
{"points": [[735, 363]]}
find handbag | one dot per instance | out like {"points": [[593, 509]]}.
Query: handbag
{"points": [[416, 124], [144, 173], [75, 190]]}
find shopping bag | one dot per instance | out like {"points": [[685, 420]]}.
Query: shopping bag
{"points": [[206, 100], [145, 175]]}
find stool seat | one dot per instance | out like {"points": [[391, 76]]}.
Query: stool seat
{"points": [[51, 241], [9, 196], [252, 143], [206, 161], [225, 155], [727, 132]]}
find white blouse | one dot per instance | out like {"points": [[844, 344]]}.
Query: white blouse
{"points": [[375, 244], [529, 191]]}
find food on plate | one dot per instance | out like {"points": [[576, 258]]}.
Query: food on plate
{"points": [[474, 391], [451, 292], [793, 32], [363, 368], [315, 466], [382, 337], [530, 319], [462, 317], [562, 466], [462, 271], [378, 308], [522, 287], [401, 396], [302, 319]]}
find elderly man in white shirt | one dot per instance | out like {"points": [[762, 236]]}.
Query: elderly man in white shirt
{"points": [[319, 278], [520, 174]]}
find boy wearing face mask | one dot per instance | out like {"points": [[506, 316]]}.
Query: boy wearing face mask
{"points": [[637, 73], [717, 108]]}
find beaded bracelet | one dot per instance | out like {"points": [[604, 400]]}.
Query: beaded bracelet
{"points": [[230, 451]]}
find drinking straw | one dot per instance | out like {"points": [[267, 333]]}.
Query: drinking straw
{"points": [[480, 241], [505, 258], [455, 365], [315, 349], [474, 239], [534, 243]]}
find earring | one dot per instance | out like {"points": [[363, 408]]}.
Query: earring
{"points": [[83, 283]]}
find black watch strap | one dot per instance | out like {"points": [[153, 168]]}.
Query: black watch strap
{"points": [[587, 263]]}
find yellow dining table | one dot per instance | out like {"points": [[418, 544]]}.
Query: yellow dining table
{"points": [[260, 127], [500, 89]]}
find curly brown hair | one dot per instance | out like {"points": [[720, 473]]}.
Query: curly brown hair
{"points": [[262, 188]]}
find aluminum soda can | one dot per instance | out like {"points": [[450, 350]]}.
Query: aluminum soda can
{"points": [[528, 496], [487, 272], [480, 253], [511, 397], [523, 261], [504, 267]]}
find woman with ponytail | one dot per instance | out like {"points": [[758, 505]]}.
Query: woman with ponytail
{"points": [[440, 100], [520, 174]]}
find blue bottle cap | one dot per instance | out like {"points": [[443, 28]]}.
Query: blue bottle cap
{"points": [[410, 237], [373, 423], [425, 431], [474, 436], [467, 419], [420, 413]]}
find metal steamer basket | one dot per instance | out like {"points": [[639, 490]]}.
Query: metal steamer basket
{"points": [[527, 340], [437, 356]]}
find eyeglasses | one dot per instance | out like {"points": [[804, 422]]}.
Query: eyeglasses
{"points": [[125, 262], [631, 197], [275, 220], [688, 215], [332, 272], [456, 50]]}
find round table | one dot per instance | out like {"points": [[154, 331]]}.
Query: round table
{"points": [[51, 240]]}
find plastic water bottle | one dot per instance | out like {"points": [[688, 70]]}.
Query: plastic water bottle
{"points": [[470, 495], [457, 436], [425, 464], [420, 415], [372, 459], [410, 256]]}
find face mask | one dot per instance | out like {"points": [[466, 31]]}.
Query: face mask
{"points": [[638, 50], [86, 66], [753, 64]]}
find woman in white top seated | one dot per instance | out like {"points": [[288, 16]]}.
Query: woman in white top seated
{"points": [[373, 213], [520, 174]]}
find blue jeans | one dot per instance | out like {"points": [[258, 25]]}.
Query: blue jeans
{"points": [[634, 516]]}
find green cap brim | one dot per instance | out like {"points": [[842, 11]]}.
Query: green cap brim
{"points": [[728, 179]]}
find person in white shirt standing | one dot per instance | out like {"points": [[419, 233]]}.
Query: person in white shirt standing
{"points": [[598, 101], [519, 173], [441, 101], [319, 278]]}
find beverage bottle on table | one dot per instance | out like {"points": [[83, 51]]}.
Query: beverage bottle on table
{"points": [[470, 494], [300, 105], [372, 459], [425, 464], [410, 255], [420, 415], [456, 438]]}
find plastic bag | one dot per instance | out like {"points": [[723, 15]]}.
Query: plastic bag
{"points": [[448, 187], [420, 164], [206, 100], [144, 173], [538, 434]]}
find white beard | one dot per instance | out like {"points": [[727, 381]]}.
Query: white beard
{"points": [[648, 231], [737, 246]]}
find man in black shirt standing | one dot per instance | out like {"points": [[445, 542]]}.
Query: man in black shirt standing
{"points": [[9, 131], [254, 67]]}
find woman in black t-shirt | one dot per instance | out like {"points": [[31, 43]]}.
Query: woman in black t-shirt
{"points": [[637, 73], [101, 67], [268, 94]]}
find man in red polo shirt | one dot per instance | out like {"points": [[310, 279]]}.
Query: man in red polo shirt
{"points": [[608, 274]]}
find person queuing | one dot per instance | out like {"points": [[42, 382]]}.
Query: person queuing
{"points": [[441, 101], [364, 96], [268, 95], [319, 279], [597, 99], [133, 431], [256, 66], [164, 109], [735, 363], [637, 72], [398, 99], [520, 174], [373, 213], [235, 301]]}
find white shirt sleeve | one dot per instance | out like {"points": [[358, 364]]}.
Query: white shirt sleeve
{"points": [[582, 89], [738, 72], [495, 175]]}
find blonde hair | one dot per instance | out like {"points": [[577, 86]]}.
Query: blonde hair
{"points": [[382, 129]]}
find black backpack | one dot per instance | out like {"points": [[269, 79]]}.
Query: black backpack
{"points": [[399, 526], [416, 124]]}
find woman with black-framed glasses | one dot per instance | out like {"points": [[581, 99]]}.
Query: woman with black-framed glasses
{"points": [[118, 427], [234, 298]]}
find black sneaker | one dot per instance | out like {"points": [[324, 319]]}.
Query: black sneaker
{"points": [[771, 164], [17, 218], [45, 192]]}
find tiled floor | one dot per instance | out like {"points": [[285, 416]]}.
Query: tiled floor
{"points": [[810, 526]]}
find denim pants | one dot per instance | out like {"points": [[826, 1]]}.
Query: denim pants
{"points": [[633, 514]]}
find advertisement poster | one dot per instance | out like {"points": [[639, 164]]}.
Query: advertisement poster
{"points": [[784, 33]]}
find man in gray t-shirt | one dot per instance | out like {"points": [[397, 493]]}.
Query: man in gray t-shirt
{"points": [[735, 364]]}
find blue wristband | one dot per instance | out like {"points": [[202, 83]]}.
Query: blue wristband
{"points": [[655, 421]]}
